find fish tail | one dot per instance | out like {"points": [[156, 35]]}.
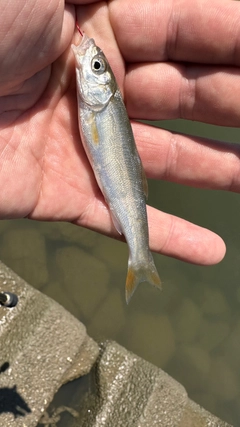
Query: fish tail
{"points": [[138, 273]]}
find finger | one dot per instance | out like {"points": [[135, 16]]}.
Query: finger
{"points": [[33, 37], [168, 234], [175, 237], [206, 32], [188, 160], [82, 2], [168, 91]]}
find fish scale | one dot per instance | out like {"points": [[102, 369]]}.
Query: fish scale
{"points": [[108, 140]]}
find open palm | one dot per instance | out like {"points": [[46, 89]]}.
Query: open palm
{"points": [[44, 172]]}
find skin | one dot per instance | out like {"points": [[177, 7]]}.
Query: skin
{"points": [[171, 60]]}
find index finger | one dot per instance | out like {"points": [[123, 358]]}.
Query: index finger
{"points": [[199, 31]]}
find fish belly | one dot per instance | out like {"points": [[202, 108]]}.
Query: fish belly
{"points": [[110, 146]]}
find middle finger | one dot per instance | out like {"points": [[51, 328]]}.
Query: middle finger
{"points": [[158, 91]]}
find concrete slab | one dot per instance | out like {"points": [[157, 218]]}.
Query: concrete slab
{"points": [[135, 393], [42, 346]]}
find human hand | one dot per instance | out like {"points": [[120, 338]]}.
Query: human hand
{"points": [[44, 170]]}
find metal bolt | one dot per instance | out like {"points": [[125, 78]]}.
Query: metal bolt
{"points": [[8, 299]]}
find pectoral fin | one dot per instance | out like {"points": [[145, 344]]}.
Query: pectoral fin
{"points": [[93, 126]]}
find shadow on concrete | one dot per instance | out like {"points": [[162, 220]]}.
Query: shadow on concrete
{"points": [[11, 400]]}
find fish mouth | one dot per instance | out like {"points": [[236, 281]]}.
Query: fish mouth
{"points": [[81, 49], [85, 44]]}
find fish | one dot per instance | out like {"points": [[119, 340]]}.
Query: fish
{"points": [[108, 141]]}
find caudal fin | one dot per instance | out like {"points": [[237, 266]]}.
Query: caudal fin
{"points": [[138, 274]]}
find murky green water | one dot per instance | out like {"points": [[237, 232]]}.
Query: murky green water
{"points": [[191, 329]]}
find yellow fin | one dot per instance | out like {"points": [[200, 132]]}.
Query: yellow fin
{"points": [[141, 274], [92, 124], [130, 284], [94, 130]]}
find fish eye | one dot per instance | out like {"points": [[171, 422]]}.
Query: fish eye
{"points": [[98, 65]]}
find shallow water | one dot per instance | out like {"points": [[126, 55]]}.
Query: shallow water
{"points": [[191, 329]]}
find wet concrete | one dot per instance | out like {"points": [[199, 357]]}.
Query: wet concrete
{"points": [[42, 346]]}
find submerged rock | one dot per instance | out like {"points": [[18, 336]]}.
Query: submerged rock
{"points": [[71, 233], [191, 366], [109, 319], [222, 380], [25, 252], [84, 277], [187, 319], [152, 337]]}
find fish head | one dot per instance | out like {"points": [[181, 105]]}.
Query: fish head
{"points": [[95, 80]]}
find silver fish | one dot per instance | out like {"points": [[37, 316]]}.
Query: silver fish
{"points": [[108, 140]]}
